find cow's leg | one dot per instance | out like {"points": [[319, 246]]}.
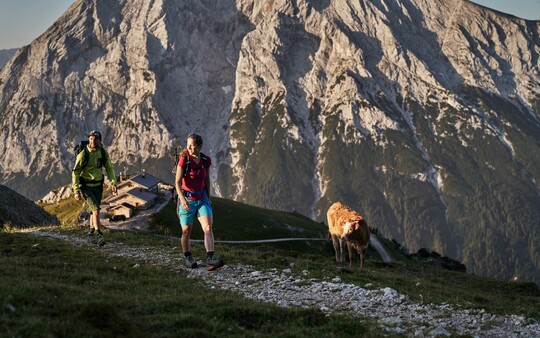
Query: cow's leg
{"points": [[341, 250], [363, 252], [351, 253], [335, 243]]}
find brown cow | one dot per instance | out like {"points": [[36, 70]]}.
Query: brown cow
{"points": [[346, 225]]}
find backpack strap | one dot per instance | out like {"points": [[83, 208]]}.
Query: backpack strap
{"points": [[204, 160], [87, 156], [187, 163], [103, 155]]}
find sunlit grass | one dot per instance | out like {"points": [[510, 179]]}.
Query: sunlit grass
{"points": [[146, 298], [51, 288]]}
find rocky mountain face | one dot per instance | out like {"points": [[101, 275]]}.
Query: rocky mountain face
{"points": [[5, 55], [423, 115]]}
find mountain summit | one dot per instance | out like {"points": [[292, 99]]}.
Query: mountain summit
{"points": [[423, 115]]}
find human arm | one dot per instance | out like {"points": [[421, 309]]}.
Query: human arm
{"points": [[110, 172], [178, 186], [207, 185], [207, 165], [76, 174]]}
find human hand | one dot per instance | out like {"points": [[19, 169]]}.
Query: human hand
{"points": [[77, 196], [185, 205]]}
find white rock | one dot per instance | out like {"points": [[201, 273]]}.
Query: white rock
{"points": [[440, 331]]}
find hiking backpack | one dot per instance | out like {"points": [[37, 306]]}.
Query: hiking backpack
{"points": [[82, 147], [186, 169], [188, 163]]}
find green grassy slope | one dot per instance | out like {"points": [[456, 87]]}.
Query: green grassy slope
{"points": [[239, 221], [50, 288], [421, 282]]}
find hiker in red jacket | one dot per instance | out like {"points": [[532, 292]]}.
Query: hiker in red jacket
{"points": [[193, 188]]}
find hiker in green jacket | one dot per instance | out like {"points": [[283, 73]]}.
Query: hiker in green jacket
{"points": [[87, 180]]}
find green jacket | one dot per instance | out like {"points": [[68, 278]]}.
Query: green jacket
{"points": [[92, 173]]}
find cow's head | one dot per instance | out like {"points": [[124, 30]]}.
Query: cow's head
{"points": [[349, 227]]}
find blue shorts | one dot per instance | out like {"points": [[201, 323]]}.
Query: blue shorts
{"points": [[197, 208]]}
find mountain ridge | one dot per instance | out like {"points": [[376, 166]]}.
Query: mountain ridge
{"points": [[5, 55]]}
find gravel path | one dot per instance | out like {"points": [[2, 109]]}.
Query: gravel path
{"points": [[394, 312]]}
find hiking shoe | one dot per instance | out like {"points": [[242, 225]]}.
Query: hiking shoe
{"points": [[214, 263], [90, 238], [191, 262], [100, 240]]}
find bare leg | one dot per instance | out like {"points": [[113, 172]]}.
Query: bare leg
{"points": [[94, 220], [186, 234], [206, 223]]}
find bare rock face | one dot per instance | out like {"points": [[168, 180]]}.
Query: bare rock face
{"points": [[57, 195], [16, 211], [5, 55], [144, 75], [421, 114]]}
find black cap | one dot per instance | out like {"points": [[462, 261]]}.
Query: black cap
{"points": [[95, 133]]}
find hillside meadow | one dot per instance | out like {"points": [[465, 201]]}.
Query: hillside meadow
{"points": [[51, 287]]}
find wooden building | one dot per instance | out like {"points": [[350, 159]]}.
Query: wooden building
{"points": [[124, 209]]}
